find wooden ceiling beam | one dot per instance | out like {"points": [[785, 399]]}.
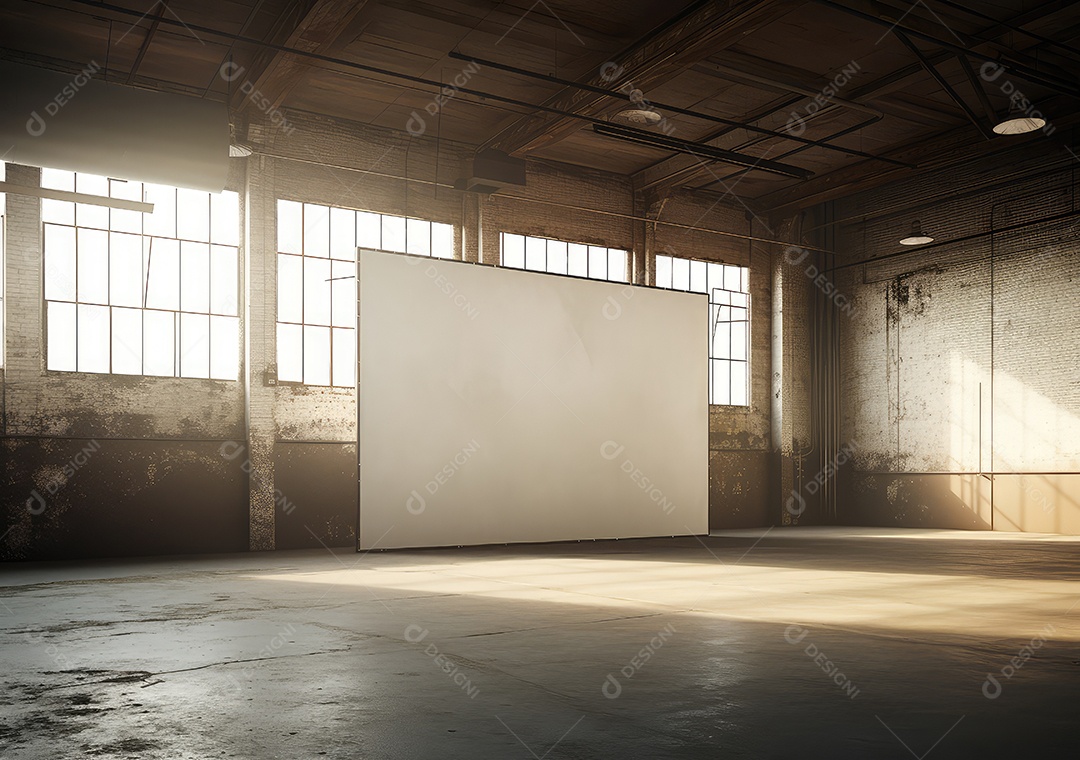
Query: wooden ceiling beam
{"points": [[318, 29], [709, 27]]}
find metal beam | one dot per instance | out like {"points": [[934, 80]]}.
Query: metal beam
{"points": [[364, 67], [676, 109], [67, 195], [1044, 9], [1062, 85], [316, 32], [976, 85], [145, 46], [703, 152], [705, 27], [932, 70]]}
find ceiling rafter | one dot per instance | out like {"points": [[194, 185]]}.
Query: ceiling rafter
{"points": [[704, 29], [316, 32]]}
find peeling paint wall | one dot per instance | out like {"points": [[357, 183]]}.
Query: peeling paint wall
{"points": [[959, 368]]}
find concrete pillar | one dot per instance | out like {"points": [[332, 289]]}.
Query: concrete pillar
{"points": [[790, 398]]}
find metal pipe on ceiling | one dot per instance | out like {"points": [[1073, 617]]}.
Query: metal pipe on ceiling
{"points": [[1058, 84], [641, 134], [944, 84], [703, 152], [935, 200], [961, 239], [1011, 27], [685, 111], [800, 149]]}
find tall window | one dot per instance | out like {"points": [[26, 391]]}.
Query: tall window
{"points": [[557, 257], [141, 294], [316, 314], [728, 288]]}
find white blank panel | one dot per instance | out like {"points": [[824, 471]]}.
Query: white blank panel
{"points": [[489, 398]]}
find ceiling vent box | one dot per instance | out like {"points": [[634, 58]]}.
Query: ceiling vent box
{"points": [[492, 170]]}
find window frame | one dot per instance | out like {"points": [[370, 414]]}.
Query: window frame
{"points": [[298, 239], [144, 241], [715, 312], [608, 251]]}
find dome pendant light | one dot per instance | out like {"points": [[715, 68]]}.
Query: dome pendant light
{"points": [[1019, 125], [917, 237]]}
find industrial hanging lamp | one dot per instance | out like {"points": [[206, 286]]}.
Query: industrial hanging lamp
{"points": [[1017, 124], [644, 115], [917, 236]]}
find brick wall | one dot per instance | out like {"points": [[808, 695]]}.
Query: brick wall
{"points": [[958, 370], [282, 427]]}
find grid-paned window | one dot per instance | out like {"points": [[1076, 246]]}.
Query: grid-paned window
{"points": [[316, 308], [141, 294], [728, 288], [558, 257]]}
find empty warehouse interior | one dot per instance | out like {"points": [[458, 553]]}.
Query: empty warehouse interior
{"points": [[511, 378]]}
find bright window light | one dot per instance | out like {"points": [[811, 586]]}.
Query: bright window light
{"points": [[728, 288], [316, 308], [558, 257], [141, 294]]}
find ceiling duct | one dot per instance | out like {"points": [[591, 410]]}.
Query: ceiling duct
{"points": [[492, 170], [79, 123]]}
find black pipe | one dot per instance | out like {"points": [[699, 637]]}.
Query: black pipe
{"points": [[1009, 26], [944, 83], [639, 133], [1058, 84], [674, 109], [664, 142], [800, 149], [964, 239]]}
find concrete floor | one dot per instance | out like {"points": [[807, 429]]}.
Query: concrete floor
{"points": [[663, 648]]}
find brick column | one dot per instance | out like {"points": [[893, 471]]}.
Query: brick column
{"points": [[260, 330], [24, 304]]}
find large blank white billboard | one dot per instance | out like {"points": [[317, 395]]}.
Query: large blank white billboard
{"points": [[500, 406]]}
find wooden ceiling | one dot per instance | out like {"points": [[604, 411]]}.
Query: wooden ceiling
{"points": [[753, 73]]}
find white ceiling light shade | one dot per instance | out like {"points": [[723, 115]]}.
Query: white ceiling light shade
{"points": [[239, 150], [645, 116], [1019, 125], [917, 237]]}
